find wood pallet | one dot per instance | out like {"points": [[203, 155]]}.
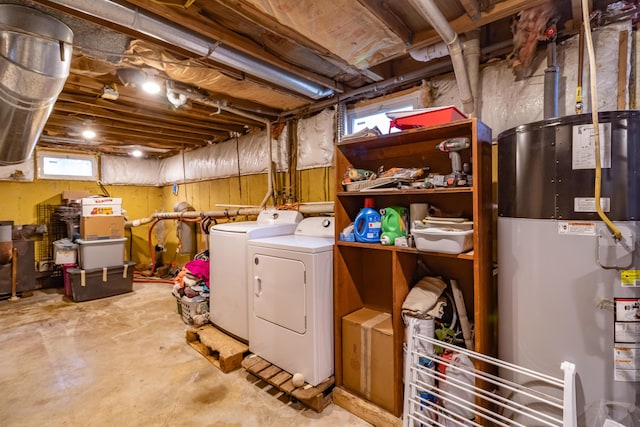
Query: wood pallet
{"points": [[219, 348], [316, 398]]}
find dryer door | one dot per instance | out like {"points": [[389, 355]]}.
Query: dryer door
{"points": [[279, 291]]}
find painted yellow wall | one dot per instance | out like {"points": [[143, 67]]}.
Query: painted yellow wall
{"points": [[314, 185], [21, 201]]}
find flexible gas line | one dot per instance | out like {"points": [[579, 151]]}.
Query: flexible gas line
{"points": [[596, 125]]}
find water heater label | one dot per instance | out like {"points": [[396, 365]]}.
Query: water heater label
{"points": [[588, 204], [582, 228], [627, 362], [630, 278], [627, 332], [583, 152]]}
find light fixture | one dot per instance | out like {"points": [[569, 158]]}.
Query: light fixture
{"points": [[88, 134], [110, 92], [151, 86], [136, 153]]}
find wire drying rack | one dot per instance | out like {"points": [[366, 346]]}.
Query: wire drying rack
{"points": [[464, 389]]}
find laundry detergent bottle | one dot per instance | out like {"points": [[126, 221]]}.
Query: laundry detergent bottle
{"points": [[394, 224], [367, 225]]}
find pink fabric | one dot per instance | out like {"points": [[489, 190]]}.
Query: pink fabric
{"points": [[199, 268]]}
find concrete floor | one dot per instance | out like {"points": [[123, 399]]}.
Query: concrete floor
{"points": [[124, 361]]}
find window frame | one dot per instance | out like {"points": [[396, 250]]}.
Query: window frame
{"points": [[386, 105], [42, 155]]}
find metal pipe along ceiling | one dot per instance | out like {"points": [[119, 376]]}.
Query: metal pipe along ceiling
{"points": [[161, 30], [431, 13]]}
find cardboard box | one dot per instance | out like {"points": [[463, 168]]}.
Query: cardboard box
{"points": [[367, 356], [101, 227], [96, 206], [74, 194]]}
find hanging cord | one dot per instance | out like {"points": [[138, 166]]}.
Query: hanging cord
{"points": [[238, 159], [596, 125]]}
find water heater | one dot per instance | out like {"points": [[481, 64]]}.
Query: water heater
{"points": [[567, 288]]}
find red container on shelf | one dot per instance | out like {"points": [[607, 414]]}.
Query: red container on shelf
{"points": [[424, 117]]}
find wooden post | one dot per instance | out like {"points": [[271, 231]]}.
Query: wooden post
{"points": [[14, 275]]}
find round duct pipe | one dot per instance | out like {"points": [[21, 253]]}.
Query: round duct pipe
{"points": [[35, 56]]}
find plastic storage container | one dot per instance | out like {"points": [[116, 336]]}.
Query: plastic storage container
{"points": [[100, 253], [439, 240], [66, 252], [101, 282], [368, 223], [424, 117]]}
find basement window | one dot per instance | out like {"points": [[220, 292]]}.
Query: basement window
{"points": [[370, 114], [77, 167]]}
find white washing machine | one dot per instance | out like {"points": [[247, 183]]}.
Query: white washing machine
{"points": [[291, 308], [229, 304]]}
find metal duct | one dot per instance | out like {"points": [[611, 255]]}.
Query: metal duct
{"points": [[35, 55], [161, 30]]}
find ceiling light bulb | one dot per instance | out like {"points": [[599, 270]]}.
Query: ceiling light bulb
{"points": [[136, 153], [88, 133], [151, 87]]}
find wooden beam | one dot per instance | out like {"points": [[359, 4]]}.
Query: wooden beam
{"points": [[132, 96], [464, 23], [121, 115], [381, 9], [203, 121], [472, 7], [124, 130]]}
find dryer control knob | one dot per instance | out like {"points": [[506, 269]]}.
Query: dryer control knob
{"points": [[326, 223]]}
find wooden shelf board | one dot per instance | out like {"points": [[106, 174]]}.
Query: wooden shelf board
{"points": [[412, 192], [375, 246]]}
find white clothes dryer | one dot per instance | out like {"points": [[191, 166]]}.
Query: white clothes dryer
{"points": [[291, 308], [229, 304]]}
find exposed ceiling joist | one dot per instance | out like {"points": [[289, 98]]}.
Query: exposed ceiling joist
{"points": [[464, 23], [381, 9]]}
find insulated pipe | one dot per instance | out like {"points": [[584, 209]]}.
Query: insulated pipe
{"points": [[551, 83], [310, 208], [431, 13], [119, 14], [433, 68], [472, 52]]}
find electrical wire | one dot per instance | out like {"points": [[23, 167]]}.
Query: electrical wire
{"points": [[596, 125]]}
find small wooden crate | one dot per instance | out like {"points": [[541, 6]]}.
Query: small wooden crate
{"points": [[316, 398], [220, 349]]}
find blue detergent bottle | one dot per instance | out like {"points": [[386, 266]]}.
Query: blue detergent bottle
{"points": [[368, 223]]}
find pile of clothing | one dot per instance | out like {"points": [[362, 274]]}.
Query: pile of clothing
{"points": [[191, 287]]}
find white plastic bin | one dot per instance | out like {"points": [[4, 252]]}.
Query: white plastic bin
{"points": [[65, 251], [100, 253], [442, 240]]}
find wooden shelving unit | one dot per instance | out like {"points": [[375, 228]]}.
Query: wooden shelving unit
{"points": [[380, 277]]}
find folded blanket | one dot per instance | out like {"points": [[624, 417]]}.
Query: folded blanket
{"points": [[423, 296]]}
